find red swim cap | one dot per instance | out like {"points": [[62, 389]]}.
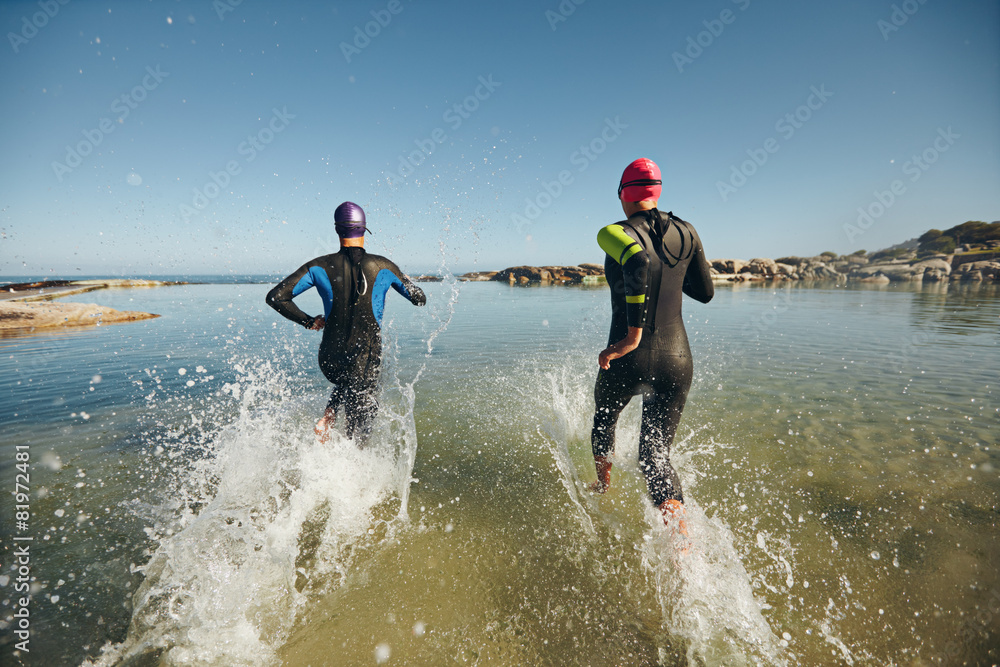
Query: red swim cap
{"points": [[640, 181]]}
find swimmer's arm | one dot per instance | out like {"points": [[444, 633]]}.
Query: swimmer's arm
{"points": [[408, 289], [404, 286], [280, 298], [627, 251], [698, 278], [621, 348]]}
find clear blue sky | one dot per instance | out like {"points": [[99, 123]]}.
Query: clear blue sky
{"points": [[199, 79]]}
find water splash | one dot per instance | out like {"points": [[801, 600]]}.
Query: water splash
{"points": [[562, 426], [705, 592], [404, 420], [265, 518]]}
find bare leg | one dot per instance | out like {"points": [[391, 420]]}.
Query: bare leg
{"points": [[325, 423], [603, 466], [610, 398]]}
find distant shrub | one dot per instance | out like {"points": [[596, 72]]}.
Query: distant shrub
{"points": [[890, 254], [859, 253], [942, 244], [828, 254], [972, 232]]}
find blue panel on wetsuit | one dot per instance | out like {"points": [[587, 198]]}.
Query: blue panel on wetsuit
{"points": [[383, 281], [317, 277]]}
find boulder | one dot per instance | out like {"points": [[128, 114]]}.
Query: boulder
{"points": [[761, 266], [530, 274], [522, 275], [477, 276], [728, 265], [897, 273], [938, 264]]}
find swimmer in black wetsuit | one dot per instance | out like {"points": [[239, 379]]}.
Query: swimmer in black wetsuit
{"points": [[651, 259], [353, 286]]}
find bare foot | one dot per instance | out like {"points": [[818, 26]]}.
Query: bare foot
{"points": [[597, 487], [673, 515], [324, 425], [603, 483]]}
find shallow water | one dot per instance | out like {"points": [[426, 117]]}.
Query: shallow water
{"points": [[838, 452]]}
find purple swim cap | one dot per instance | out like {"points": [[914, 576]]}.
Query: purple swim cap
{"points": [[350, 220]]}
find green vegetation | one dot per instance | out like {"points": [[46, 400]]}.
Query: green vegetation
{"points": [[831, 255], [935, 241], [890, 254], [859, 253]]}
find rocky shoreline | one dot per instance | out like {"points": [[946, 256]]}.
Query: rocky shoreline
{"points": [[907, 267], [17, 315], [524, 275], [28, 306], [935, 268]]}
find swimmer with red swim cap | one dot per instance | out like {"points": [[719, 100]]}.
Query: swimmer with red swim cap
{"points": [[652, 258], [353, 287]]}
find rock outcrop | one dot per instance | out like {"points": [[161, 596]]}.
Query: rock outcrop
{"points": [[524, 275], [883, 267], [17, 315]]}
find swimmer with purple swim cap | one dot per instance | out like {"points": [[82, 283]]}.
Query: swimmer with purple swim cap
{"points": [[353, 287], [349, 221]]}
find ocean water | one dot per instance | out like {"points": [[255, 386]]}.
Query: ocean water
{"points": [[838, 450]]}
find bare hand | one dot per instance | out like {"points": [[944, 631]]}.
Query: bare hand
{"points": [[621, 348], [318, 323]]}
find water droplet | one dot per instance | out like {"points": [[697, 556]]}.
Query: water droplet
{"points": [[382, 653], [419, 629], [875, 555]]}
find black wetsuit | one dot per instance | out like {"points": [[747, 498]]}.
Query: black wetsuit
{"points": [[651, 259], [353, 286]]}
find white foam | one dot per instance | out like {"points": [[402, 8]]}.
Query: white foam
{"points": [[225, 585]]}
